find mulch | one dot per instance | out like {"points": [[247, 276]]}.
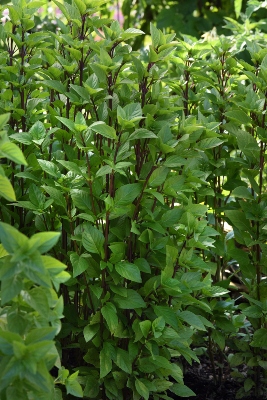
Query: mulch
{"points": [[199, 378]]}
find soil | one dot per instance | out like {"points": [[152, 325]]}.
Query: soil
{"points": [[199, 378]]}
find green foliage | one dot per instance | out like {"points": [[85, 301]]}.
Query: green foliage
{"points": [[145, 176], [194, 18], [234, 106], [30, 307]]}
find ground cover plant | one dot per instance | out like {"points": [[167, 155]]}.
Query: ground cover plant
{"points": [[124, 167]]}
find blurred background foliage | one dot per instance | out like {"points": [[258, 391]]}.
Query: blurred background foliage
{"points": [[190, 17], [194, 18]]}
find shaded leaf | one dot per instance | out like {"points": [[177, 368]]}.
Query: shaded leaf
{"points": [[128, 271], [6, 189], [12, 152], [109, 312], [93, 240], [182, 390]]}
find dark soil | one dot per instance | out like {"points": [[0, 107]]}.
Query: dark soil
{"points": [[199, 378]]}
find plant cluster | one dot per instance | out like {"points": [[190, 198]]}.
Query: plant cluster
{"points": [[137, 162]]}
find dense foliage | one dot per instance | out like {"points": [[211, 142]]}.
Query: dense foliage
{"points": [[195, 18], [150, 167]]}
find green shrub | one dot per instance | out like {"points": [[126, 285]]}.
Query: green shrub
{"points": [[136, 162]]}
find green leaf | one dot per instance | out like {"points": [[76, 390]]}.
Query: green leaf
{"points": [[243, 192], [225, 324], [81, 199], [11, 238], [253, 312], [155, 35], [248, 384], [28, 205], [239, 115], [238, 219], [131, 112], [44, 241], [235, 359], [104, 170], [93, 240], [177, 373], [109, 312], [12, 152], [4, 120], [174, 161], [40, 350], [263, 364], [6, 189], [172, 217], [27, 175], [105, 362], [131, 301], [55, 85], [158, 176], [160, 362], [85, 216], [218, 338], [157, 326], [36, 196], [162, 384], [170, 316], [127, 194], [238, 7], [6, 340], [56, 195], [40, 334], [259, 338], [145, 327], [131, 33], [38, 132], [140, 69], [128, 271], [71, 166], [90, 331], [72, 385], [79, 263], [91, 389], [142, 389], [10, 288], [55, 269], [3, 252], [245, 264], [247, 144], [214, 291], [182, 390], [143, 265], [68, 123], [123, 361], [251, 174], [142, 133], [103, 129], [50, 168], [192, 319], [82, 92], [209, 143]]}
